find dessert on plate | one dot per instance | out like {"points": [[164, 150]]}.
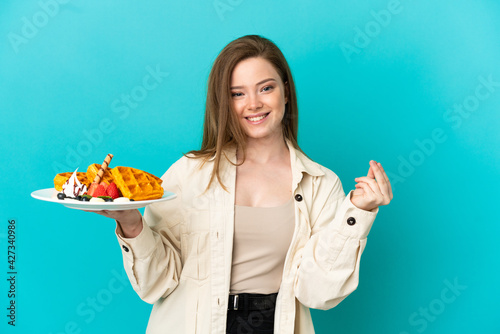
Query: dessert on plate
{"points": [[103, 184]]}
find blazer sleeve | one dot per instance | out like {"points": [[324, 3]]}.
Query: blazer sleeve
{"points": [[152, 260], [329, 268]]}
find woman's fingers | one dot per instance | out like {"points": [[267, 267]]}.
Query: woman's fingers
{"points": [[375, 188], [383, 181], [371, 174], [106, 213], [386, 179], [380, 185], [373, 185], [358, 191], [366, 188]]}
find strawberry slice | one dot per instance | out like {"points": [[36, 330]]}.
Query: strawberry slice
{"points": [[99, 191], [92, 188], [104, 184], [112, 191]]}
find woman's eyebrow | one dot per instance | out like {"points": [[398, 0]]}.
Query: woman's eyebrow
{"points": [[258, 83]]}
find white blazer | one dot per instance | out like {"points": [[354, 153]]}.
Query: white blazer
{"points": [[181, 260]]}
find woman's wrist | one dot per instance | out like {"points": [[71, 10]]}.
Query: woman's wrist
{"points": [[130, 224]]}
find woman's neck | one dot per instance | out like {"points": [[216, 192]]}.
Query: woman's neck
{"points": [[265, 150]]}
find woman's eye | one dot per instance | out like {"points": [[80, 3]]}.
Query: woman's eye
{"points": [[267, 88], [236, 94]]}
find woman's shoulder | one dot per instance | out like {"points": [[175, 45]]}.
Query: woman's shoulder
{"points": [[315, 169], [187, 164], [329, 176]]}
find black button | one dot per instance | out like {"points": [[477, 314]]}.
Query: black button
{"points": [[351, 221], [298, 197], [125, 248]]}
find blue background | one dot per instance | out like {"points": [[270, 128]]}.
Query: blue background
{"points": [[368, 89]]}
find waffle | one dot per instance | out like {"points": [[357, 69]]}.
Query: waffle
{"points": [[136, 184], [63, 177], [92, 172]]}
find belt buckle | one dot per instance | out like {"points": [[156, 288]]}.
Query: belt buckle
{"points": [[235, 302]]}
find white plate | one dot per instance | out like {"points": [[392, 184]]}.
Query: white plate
{"points": [[50, 195]]}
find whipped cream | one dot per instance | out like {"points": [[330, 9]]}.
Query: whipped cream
{"points": [[73, 187], [121, 200]]}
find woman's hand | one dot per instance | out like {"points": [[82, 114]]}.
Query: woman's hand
{"points": [[372, 190], [130, 220]]}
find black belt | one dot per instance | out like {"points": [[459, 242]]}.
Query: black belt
{"points": [[252, 301]]}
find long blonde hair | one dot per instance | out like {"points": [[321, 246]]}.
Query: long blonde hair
{"points": [[221, 127]]}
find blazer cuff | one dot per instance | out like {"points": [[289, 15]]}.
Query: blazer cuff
{"points": [[140, 247], [356, 222]]}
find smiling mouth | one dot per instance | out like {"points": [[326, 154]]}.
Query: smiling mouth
{"points": [[257, 118]]}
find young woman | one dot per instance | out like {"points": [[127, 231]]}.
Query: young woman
{"points": [[258, 233]]}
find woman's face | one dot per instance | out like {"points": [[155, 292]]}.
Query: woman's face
{"points": [[258, 97]]}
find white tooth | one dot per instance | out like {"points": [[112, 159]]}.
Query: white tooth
{"points": [[255, 119]]}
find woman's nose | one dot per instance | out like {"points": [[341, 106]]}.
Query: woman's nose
{"points": [[254, 102]]}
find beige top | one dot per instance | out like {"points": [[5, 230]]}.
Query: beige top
{"points": [[262, 237]]}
